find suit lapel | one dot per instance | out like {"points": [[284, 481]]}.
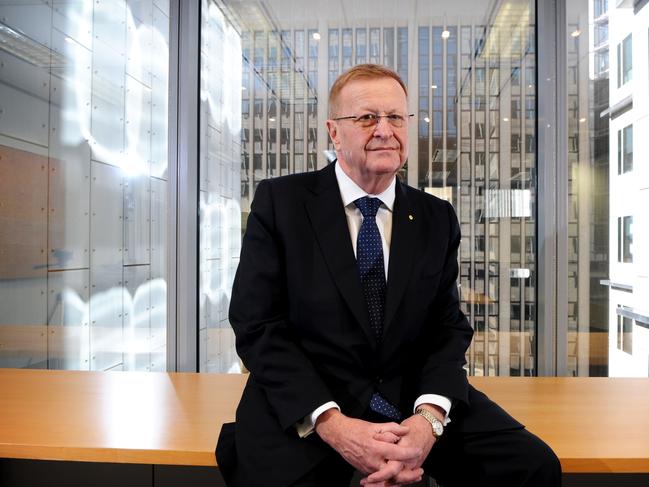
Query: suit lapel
{"points": [[327, 217], [405, 225]]}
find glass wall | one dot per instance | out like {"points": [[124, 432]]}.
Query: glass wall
{"points": [[220, 181], [84, 191], [471, 74], [608, 227], [83, 184]]}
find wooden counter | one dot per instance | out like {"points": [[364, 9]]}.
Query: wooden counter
{"points": [[593, 424], [115, 417]]}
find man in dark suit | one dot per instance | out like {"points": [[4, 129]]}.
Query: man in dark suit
{"points": [[346, 313]]}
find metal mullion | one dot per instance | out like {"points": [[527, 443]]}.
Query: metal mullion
{"points": [[184, 180], [251, 125], [561, 274], [431, 105], [412, 81], [323, 80], [472, 121], [522, 231], [172, 151], [552, 203], [264, 106], [444, 102], [487, 280], [291, 97]]}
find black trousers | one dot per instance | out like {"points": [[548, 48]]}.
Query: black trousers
{"points": [[509, 458]]}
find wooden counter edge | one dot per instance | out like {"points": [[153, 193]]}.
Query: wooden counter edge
{"points": [[109, 455], [604, 465], [208, 459]]}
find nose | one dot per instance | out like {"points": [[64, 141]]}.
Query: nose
{"points": [[383, 129]]}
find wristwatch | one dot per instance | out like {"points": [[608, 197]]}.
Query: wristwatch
{"points": [[436, 424]]}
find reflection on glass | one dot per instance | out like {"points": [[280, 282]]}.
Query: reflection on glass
{"points": [[83, 169], [608, 230], [473, 141], [224, 150]]}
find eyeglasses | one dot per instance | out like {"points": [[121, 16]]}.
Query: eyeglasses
{"points": [[368, 120]]}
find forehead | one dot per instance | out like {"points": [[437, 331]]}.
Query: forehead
{"points": [[381, 94]]}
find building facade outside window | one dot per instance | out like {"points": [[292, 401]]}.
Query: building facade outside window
{"points": [[461, 86], [625, 115]]}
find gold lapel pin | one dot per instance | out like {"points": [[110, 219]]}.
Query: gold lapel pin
{"points": [[411, 218]]}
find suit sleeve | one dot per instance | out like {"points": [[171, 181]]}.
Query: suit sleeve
{"points": [[265, 340], [443, 367]]}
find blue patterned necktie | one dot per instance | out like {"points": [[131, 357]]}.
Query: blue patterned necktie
{"points": [[371, 268]]}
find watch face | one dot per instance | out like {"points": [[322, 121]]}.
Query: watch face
{"points": [[438, 428]]}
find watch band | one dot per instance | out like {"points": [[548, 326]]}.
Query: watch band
{"points": [[435, 424]]}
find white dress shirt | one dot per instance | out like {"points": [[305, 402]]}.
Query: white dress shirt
{"points": [[350, 192]]}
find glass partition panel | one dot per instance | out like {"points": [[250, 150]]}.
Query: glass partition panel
{"points": [[224, 150], [83, 184], [471, 74], [608, 227]]}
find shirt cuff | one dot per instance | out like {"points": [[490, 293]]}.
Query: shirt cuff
{"points": [[307, 425], [441, 401]]}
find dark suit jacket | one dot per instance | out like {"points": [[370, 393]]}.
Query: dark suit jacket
{"points": [[302, 327]]}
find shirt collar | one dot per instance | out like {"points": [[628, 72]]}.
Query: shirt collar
{"points": [[350, 191]]}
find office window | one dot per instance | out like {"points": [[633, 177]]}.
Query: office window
{"points": [[530, 108], [625, 239], [625, 150], [388, 47], [402, 53], [601, 62], [375, 45], [530, 143], [333, 54], [347, 49], [624, 61], [461, 75], [605, 234], [601, 33], [624, 340], [361, 46]]}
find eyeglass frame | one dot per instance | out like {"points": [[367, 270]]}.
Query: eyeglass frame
{"points": [[356, 119]]}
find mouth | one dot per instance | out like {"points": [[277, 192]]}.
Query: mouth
{"points": [[375, 149]]}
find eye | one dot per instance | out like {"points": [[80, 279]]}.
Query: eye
{"points": [[367, 118], [395, 118]]}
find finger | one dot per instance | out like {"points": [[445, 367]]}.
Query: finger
{"points": [[396, 451], [384, 483], [387, 437], [388, 471], [395, 428], [365, 483], [409, 476]]}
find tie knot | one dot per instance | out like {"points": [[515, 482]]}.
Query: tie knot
{"points": [[368, 206]]}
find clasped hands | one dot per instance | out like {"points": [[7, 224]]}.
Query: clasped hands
{"points": [[390, 453]]}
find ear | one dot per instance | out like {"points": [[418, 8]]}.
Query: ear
{"points": [[332, 128]]}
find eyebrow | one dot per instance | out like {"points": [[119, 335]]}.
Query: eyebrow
{"points": [[373, 110]]}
